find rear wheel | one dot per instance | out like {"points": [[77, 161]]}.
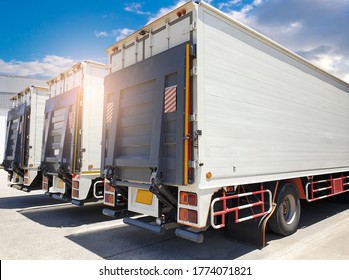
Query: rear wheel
{"points": [[285, 218]]}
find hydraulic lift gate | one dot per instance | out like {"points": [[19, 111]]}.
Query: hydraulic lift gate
{"points": [[61, 130], [144, 119], [16, 126]]}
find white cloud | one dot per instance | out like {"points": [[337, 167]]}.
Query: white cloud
{"points": [[229, 4], [166, 10], [329, 59], [242, 14], [328, 62], [135, 8], [118, 34], [99, 34], [49, 66], [122, 33], [257, 2]]}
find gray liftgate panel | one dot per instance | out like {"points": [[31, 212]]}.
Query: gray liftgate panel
{"points": [[14, 137], [142, 134], [59, 132], [25, 137]]}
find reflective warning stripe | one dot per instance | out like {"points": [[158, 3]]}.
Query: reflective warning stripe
{"points": [[109, 114], [170, 99], [70, 120]]}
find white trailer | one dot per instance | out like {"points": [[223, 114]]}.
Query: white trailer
{"points": [[73, 134], [25, 122], [213, 124]]}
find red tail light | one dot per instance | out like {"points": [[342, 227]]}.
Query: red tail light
{"points": [[188, 215], [188, 198]]}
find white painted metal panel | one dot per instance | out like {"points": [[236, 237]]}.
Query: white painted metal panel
{"points": [[116, 61], [263, 114], [179, 32], [92, 119], [147, 47], [130, 55], [3, 114], [167, 32], [66, 81], [160, 42], [38, 99], [133, 205]]}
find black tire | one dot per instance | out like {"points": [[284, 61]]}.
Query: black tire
{"points": [[285, 218]]}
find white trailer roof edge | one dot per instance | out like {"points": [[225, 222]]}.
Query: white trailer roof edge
{"points": [[244, 29], [147, 26], [27, 89], [75, 67]]}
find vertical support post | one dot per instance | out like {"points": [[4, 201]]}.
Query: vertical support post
{"points": [[77, 112], [186, 114], [262, 198]]}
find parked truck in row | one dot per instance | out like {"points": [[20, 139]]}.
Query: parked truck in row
{"points": [[208, 123], [25, 122], [71, 143]]}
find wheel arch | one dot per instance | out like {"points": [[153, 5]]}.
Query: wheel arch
{"points": [[297, 182]]}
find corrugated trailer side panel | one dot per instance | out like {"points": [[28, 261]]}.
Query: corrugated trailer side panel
{"points": [[265, 114], [92, 116], [37, 102]]}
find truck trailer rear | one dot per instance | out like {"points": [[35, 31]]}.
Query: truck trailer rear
{"points": [[25, 122], [72, 135], [208, 123]]}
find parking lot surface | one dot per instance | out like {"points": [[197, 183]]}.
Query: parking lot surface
{"points": [[36, 227]]}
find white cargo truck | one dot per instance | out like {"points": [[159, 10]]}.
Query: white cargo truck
{"points": [[25, 122], [208, 123], [73, 133]]}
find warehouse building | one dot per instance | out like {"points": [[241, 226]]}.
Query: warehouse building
{"points": [[9, 86]]}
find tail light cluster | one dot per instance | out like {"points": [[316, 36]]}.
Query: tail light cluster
{"points": [[185, 214], [109, 194], [45, 183], [26, 178], [75, 189], [188, 198]]}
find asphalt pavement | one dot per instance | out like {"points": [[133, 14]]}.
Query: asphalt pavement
{"points": [[36, 227]]}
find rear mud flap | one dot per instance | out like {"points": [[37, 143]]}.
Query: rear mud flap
{"points": [[251, 231]]}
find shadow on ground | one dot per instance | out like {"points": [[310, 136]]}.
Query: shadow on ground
{"points": [[27, 201], [67, 215], [127, 242]]}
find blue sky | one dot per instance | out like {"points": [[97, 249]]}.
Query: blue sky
{"points": [[42, 38]]}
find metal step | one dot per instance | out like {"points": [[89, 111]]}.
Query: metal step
{"points": [[149, 227], [189, 235]]}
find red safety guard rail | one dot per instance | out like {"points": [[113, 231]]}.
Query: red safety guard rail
{"points": [[334, 186], [236, 209]]}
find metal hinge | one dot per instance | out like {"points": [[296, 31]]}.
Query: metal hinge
{"points": [[193, 118], [192, 26], [193, 50], [194, 71], [153, 177], [193, 164]]}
